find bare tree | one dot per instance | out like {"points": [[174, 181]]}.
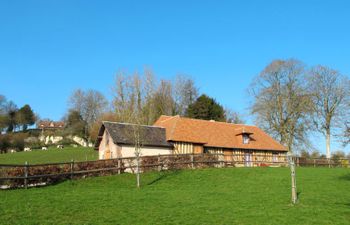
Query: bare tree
{"points": [[128, 97], [163, 99], [281, 103], [185, 93], [233, 117], [330, 95], [149, 89], [2, 104], [138, 136], [90, 104], [144, 95], [3, 116]]}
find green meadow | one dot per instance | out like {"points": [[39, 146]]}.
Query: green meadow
{"points": [[204, 196], [50, 156]]}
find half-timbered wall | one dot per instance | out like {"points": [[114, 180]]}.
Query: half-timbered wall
{"points": [[255, 156], [183, 148], [212, 150]]}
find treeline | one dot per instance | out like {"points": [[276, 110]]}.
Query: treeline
{"points": [[13, 118], [289, 100], [13, 122], [315, 154], [292, 102], [142, 99]]}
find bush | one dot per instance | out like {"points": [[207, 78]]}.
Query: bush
{"points": [[4, 143], [66, 142], [33, 143], [17, 141]]}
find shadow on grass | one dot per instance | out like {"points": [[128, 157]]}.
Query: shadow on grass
{"points": [[345, 177], [298, 194], [163, 175]]}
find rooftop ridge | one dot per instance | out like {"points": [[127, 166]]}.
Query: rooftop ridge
{"points": [[169, 118], [132, 124], [187, 118]]}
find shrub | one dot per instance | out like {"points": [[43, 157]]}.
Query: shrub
{"points": [[17, 141], [33, 143], [4, 143], [66, 142]]}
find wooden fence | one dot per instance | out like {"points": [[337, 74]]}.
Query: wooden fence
{"points": [[15, 176]]}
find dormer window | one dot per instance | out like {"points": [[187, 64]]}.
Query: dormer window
{"points": [[245, 138]]}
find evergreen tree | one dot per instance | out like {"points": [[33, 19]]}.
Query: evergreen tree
{"points": [[206, 108], [75, 125], [25, 117]]}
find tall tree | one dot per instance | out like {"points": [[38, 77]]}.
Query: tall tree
{"points": [[206, 108], [128, 97], [25, 117], [3, 102], [281, 103], [149, 89], [163, 99], [89, 104], [150, 98], [185, 93], [330, 95], [75, 125], [3, 113], [11, 110]]}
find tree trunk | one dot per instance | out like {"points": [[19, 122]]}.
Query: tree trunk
{"points": [[328, 144], [138, 171]]}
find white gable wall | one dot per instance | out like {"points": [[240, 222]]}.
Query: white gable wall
{"points": [[129, 151], [109, 150]]}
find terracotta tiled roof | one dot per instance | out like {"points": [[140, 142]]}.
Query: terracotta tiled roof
{"points": [[216, 134]]}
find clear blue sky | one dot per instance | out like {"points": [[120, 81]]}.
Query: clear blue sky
{"points": [[49, 48]]}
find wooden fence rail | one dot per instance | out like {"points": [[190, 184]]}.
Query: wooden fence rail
{"points": [[15, 176]]}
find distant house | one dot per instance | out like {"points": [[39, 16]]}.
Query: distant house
{"points": [[50, 125], [179, 135]]}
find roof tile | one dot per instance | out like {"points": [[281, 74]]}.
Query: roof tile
{"points": [[216, 134]]}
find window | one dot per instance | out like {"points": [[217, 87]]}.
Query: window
{"points": [[245, 139]]}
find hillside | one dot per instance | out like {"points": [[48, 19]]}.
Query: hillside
{"points": [[52, 155]]}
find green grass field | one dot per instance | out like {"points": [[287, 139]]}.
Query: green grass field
{"points": [[208, 196], [49, 156]]}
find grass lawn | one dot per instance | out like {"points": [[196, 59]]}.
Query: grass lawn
{"points": [[49, 156], [208, 196]]}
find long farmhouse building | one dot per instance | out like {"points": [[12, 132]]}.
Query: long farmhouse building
{"points": [[179, 135]]}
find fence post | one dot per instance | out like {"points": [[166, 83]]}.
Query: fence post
{"points": [[314, 162], [159, 164], [294, 186], [192, 161], [72, 169], [329, 163], [298, 162], [119, 165], [26, 175]]}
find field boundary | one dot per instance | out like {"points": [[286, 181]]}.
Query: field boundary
{"points": [[25, 175]]}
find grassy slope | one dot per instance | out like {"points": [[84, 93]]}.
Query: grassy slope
{"points": [[51, 155], [209, 196]]}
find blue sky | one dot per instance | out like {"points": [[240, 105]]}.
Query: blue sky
{"points": [[49, 48]]}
